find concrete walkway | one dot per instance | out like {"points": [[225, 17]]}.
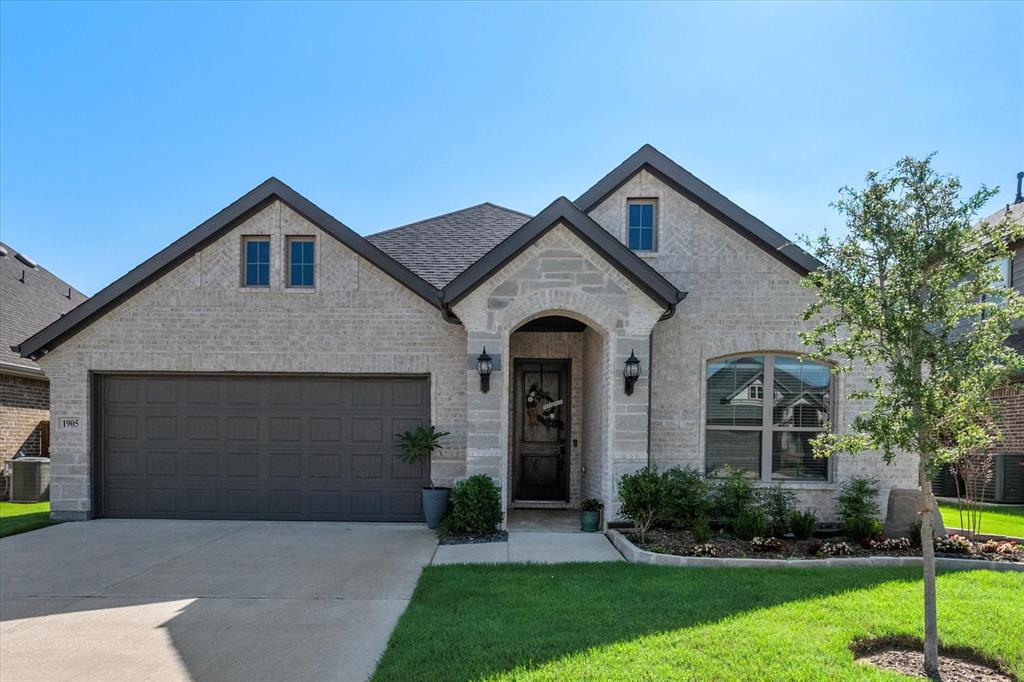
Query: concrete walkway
{"points": [[204, 600], [542, 547]]}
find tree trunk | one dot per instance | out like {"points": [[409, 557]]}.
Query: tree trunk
{"points": [[931, 628]]}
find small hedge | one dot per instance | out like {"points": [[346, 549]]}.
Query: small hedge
{"points": [[475, 507]]}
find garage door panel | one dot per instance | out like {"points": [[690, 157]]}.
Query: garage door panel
{"points": [[261, 447]]}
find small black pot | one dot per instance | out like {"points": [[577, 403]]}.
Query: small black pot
{"points": [[590, 521], [435, 505]]}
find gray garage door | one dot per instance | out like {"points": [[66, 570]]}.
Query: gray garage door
{"points": [[259, 447]]}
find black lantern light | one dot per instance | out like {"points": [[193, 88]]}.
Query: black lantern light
{"points": [[483, 366], [631, 372]]}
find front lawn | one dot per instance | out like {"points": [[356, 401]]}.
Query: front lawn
{"points": [[1008, 520], [16, 517], [632, 622]]}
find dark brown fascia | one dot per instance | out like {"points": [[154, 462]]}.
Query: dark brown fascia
{"points": [[250, 203], [565, 212], [698, 191]]}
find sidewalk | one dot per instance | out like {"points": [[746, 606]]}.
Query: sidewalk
{"points": [[532, 546]]}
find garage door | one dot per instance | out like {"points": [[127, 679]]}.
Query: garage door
{"points": [[259, 447]]}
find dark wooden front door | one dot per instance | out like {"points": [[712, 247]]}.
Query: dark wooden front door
{"points": [[541, 452]]}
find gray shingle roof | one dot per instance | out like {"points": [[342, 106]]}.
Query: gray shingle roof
{"points": [[438, 249], [26, 307]]}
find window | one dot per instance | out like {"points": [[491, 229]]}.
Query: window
{"points": [[762, 413], [641, 225], [256, 266], [300, 262]]}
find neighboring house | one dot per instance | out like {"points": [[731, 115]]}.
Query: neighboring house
{"points": [[1008, 470], [30, 298], [263, 365]]}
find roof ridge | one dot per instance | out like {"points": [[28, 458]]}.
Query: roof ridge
{"points": [[446, 215]]}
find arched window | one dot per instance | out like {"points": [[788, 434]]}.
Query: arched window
{"points": [[762, 413]]}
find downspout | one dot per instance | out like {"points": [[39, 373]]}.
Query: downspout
{"points": [[669, 312]]}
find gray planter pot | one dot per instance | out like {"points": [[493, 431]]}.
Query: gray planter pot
{"points": [[590, 521], [435, 505]]}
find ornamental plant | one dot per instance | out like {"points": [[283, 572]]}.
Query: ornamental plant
{"points": [[476, 506], [419, 444], [640, 498], [685, 496], [911, 295], [803, 523]]}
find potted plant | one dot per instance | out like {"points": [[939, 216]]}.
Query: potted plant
{"points": [[590, 515], [417, 446]]}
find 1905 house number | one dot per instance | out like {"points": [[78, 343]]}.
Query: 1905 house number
{"points": [[71, 422]]}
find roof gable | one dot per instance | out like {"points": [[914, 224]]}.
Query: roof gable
{"points": [[250, 203], [696, 190], [563, 211]]}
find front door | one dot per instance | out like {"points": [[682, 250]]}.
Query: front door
{"points": [[540, 469]]}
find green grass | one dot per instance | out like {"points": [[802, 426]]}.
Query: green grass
{"points": [[633, 622], [1008, 520], [20, 518]]}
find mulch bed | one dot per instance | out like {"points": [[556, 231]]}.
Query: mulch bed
{"points": [[497, 536], [906, 656], [681, 543]]}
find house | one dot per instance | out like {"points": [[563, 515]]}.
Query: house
{"points": [[31, 297], [263, 365]]}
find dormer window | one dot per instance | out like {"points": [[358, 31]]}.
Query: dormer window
{"points": [[640, 231], [256, 261]]}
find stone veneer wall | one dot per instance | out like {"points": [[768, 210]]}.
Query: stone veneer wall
{"points": [[24, 407], [197, 318], [558, 275], [741, 300], [595, 398], [545, 345]]}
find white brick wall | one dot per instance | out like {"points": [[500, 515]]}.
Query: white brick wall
{"points": [[741, 300], [198, 319]]}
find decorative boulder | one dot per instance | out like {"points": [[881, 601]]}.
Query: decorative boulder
{"points": [[902, 513]]}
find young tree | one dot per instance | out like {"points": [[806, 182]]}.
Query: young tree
{"points": [[912, 294]]}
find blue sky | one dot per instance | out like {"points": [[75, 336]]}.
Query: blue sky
{"points": [[123, 126]]}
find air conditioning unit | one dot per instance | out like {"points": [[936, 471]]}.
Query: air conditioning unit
{"points": [[30, 479]]}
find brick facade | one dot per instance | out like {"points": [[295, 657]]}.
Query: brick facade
{"points": [[24, 410], [197, 318], [1010, 400]]}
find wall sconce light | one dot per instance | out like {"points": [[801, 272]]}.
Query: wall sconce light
{"points": [[483, 366], [631, 372]]}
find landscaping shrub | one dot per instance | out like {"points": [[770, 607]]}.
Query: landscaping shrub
{"points": [[476, 506], [915, 533], [640, 498], [778, 506], [733, 494], [701, 530], [685, 496], [591, 504], [858, 508], [803, 524], [749, 523]]}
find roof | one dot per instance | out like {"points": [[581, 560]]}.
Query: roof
{"points": [[30, 299], [692, 187], [250, 203], [563, 211], [438, 249]]}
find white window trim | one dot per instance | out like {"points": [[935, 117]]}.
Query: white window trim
{"points": [[767, 427]]}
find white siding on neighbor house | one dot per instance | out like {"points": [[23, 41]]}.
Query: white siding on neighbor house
{"points": [[741, 300], [198, 318]]}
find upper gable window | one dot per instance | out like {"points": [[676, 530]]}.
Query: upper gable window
{"points": [[300, 262], [256, 261], [641, 224]]}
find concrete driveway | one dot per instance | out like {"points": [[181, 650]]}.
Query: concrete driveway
{"points": [[204, 600]]}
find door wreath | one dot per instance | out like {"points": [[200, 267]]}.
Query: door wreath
{"points": [[541, 409]]}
